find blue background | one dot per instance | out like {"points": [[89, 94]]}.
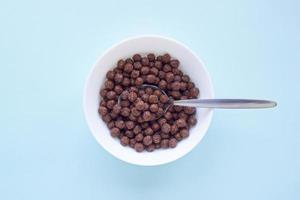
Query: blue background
{"points": [[251, 49]]}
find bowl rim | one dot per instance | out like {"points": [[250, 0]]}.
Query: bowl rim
{"points": [[127, 39]]}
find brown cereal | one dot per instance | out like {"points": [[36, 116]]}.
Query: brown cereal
{"points": [[126, 82], [111, 124], [109, 84], [139, 137], [161, 74], [192, 120], [180, 123], [120, 124], [145, 97], [154, 71], [169, 77], [102, 110], [106, 118], [148, 131], [153, 99], [166, 128], [135, 115], [166, 58], [124, 103], [149, 90], [164, 98], [158, 65], [129, 125], [185, 78], [121, 64], [115, 132], [164, 143], [151, 57], [174, 129], [139, 81], [135, 74], [118, 77], [155, 126], [135, 112], [145, 61], [116, 109], [137, 57], [162, 84], [156, 138], [177, 78], [132, 142], [140, 105], [168, 115], [132, 96], [174, 63], [129, 134], [129, 60], [124, 141], [118, 89], [103, 93], [167, 68], [147, 140], [144, 125], [184, 133], [172, 143], [110, 104], [110, 75], [139, 147], [150, 148], [178, 136], [154, 108], [157, 92], [189, 110], [111, 95], [145, 70], [175, 85], [128, 67], [137, 65], [161, 121], [137, 129], [147, 116], [125, 112]]}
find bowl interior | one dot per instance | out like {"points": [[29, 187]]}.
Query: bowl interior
{"points": [[189, 63]]}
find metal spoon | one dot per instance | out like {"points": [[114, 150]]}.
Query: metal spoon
{"points": [[216, 103]]}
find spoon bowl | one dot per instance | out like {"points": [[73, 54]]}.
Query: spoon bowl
{"points": [[165, 108]]}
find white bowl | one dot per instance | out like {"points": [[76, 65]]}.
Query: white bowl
{"points": [[189, 63]]}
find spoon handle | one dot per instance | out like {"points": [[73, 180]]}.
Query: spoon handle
{"points": [[226, 103]]}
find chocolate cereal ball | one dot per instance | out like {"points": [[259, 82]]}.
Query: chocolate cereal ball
{"points": [[137, 57], [125, 141], [150, 148], [166, 128], [102, 110], [164, 143], [115, 132], [172, 143], [139, 147], [147, 140]]}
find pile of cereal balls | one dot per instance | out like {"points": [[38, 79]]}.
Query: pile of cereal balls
{"points": [[135, 114]]}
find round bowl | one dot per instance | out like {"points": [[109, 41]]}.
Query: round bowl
{"points": [[189, 63]]}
